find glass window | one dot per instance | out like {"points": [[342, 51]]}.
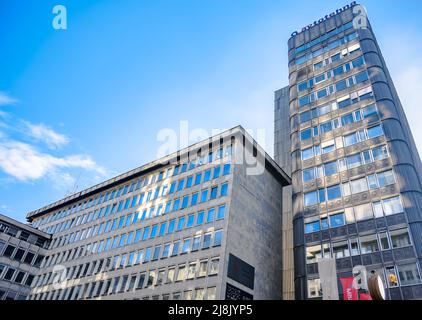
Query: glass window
{"points": [[198, 178], [313, 254], [314, 288], [207, 175], [175, 250], [333, 192], [311, 198], [324, 223], [305, 116], [408, 274], [181, 273], [306, 134], [347, 119], [207, 241], [221, 212], [218, 236], [361, 77], [385, 178], [380, 153], [378, 211], [369, 244], [384, 241], [191, 220], [375, 132], [341, 85], [354, 247], [166, 251], [330, 168], [186, 246], [326, 127], [307, 153], [358, 186], [204, 195], [200, 218], [337, 220], [400, 238], [363, 212], [210, 215], [214, 266], [226, 169], [224, 189], [354, 161], [350, 139], [308, 175], [341, 250], [312, 227], [392, 206], [214, 191], [392, 277], [373, 182], [196, 243], [369, 111]]}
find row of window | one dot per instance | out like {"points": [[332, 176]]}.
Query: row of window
{"points": [[138, 200], [148, 232], [337, 57], [324, 37], [362, 245], [337, 71], [332, 45], [16, 276], [340, 103], [107, 287], [347, 163], [20, 254], [348, 140], [407, 274], [328, 126], [22, 235], [362, 212], [11, 295], [198, 242], [335, 88], [141, 183], [370, 182], [135, 258]]}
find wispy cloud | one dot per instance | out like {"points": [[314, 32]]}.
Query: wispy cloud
{"points": [[25, 162], [5, 99], [47, 135], [23, 158]]}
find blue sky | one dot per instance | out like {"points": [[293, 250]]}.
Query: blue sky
{"points": [[81, 105]]}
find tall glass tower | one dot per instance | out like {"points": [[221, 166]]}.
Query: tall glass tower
{"points": [[356, 172]]}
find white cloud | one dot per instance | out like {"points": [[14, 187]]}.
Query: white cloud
{"points": [[46, 135], [5, 99], [25, 162]]}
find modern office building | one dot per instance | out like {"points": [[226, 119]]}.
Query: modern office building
{"points": [[22, 249], [202, 223], [356, 172]]}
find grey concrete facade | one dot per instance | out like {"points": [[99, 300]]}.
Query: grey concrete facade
{"points": [[356, 172], [22, 250], [282, 155], [109, 243]]}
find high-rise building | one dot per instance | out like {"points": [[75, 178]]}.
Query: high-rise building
{"points": [[356, 172], [202, 223], [22, 250]]}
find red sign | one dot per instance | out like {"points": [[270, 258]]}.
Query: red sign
{"points": [[349, 293]]}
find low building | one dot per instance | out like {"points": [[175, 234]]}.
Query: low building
{"points": [[22, 250], [202, 223]]}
